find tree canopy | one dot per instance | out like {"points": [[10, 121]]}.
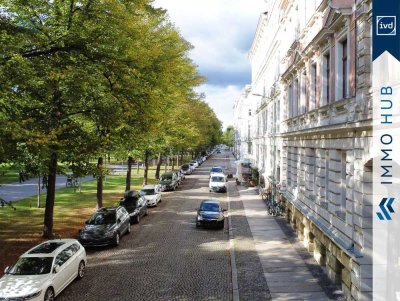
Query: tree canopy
{"points": [[81, 78]]}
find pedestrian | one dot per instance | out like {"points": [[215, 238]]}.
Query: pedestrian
{"points": [[21, 176], [44, 182]]}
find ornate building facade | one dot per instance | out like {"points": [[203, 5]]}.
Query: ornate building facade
{"points": [[311, 128]]}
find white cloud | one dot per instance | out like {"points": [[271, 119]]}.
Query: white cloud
{"points": [[221, 32], [221, 99]]}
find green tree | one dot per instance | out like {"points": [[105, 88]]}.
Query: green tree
{"points": [[228, 136], [70, 72]]}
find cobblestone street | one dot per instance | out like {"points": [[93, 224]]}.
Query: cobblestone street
{"points": [[165, 257]]}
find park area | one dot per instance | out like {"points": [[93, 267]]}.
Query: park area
{"points": [[22, 228]]}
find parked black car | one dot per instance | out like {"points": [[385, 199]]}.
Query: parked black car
{"points": [[105, 227], [135, 204], [211, 214]]}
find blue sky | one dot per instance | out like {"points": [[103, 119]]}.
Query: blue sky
{"points": [[221, 32]]}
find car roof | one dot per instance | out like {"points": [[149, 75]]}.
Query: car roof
{"points": [[148, 187], [218, 174], [49, 248], [107, 209], [211, 201], [130, 193]]}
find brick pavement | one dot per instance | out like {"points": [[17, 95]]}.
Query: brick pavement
{"points": [[288, 275]]}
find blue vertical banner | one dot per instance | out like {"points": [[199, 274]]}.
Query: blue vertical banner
{"points": [[385, 150], [385, 25]]}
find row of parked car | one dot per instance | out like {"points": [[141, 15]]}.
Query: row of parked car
{"points": [[44, 271]]}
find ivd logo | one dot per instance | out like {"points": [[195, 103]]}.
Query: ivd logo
{"points": [[386, 25]]}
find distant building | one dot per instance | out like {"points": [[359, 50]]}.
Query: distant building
{"points": [[310, 128]]}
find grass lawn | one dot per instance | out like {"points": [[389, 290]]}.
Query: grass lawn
{"points": [[8, 174], [22, 228]]}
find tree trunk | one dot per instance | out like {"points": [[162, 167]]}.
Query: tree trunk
{"points": [[166, 163], [159, 162], [128, 174], [38, 193], [146, 166], [181, 157], [173, 162], [50, 197], [100, 182]]}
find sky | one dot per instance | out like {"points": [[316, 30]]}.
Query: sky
{"points": [[221, 32]]}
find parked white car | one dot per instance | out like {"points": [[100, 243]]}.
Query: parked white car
{"points": [[44, 271], [152, 194], [192, 166], [215, 170], [217, 182], [195, 163]]}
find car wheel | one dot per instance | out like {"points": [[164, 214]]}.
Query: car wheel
{"points": [[221, 225], [197, 225], [116, 239], [137, 219], [81, 270], [49, 294], [160, 200], [129, 228], [146, 212]]}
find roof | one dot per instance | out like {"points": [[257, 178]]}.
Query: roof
{"points": [[148, 187], [49, 248], [211, 201], [130, 193]]}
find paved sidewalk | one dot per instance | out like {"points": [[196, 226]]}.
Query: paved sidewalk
{"points": [[286, 274], [16, 191]]}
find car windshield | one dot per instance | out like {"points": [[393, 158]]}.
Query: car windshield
{"points": [[217, 179], [147, 192], [209, 207], [102, 218], [31, 266], [129, 202], [184, 167], [166, 178], [216, 169]]}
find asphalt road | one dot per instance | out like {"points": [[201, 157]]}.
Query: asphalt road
{"points": [[165, 257]]}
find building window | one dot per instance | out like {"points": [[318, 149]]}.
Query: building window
{"points": [[303, 96], [344, 69], [343, 175], [296, 98], [312, 171], [313, 87], [290, 101], [326, 175], [289, 168], [295, 167], [326, 71], [249, 112]]}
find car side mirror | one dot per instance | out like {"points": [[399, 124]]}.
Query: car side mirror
{"points": [[56, 269], [6, 269], [87, 222], [119, 221]]}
